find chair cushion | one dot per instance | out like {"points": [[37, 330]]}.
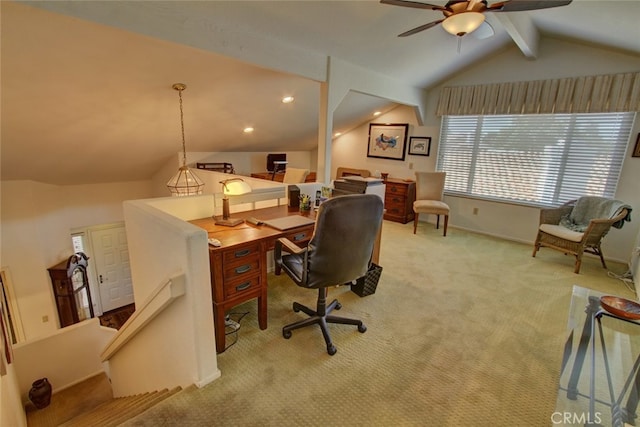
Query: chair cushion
{"points": [[435, 207], [561, 232]]}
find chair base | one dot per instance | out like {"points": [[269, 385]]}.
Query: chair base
{"points": [[446, 222], [321, 316], [577, 249]]}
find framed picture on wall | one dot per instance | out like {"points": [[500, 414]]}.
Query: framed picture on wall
{"points": [[420, 145], [636, 150], [387, 141]]}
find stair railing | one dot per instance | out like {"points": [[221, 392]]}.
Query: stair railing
{"points": [[163, 296]]}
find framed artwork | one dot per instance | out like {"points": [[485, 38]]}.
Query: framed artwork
{"points": [[387, 141], [420, 145], [636, 150]]}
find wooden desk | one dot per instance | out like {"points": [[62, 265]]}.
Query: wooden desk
{"points": [[280, 176], [239, 266]]}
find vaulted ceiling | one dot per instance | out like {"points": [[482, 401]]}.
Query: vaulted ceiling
{"points": [[86, 86]]}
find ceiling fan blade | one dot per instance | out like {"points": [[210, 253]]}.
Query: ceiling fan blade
{"points": [[471, 4], [523, 5], [420, 28], [415, 4]]}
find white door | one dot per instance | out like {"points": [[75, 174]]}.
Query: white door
{"points": [[113, 272]]}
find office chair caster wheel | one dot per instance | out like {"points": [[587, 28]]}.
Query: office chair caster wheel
{"points": [[331, 349], [362, 329], [286, 334], [296, 307], [338, 306]]}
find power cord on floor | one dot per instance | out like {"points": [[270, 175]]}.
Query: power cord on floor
{"points": [[232, 326], [626, 278]]}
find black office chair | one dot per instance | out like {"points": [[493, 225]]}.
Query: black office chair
{"points": [[338, 253]]}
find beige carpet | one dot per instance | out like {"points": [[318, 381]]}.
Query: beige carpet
{"points": [[463, 330]]}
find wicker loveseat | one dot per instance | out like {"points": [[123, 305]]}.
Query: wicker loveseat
{"points": [[554, 232]]}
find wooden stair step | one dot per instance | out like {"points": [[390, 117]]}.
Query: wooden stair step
{"points": [[118, 410], [143, 406]]}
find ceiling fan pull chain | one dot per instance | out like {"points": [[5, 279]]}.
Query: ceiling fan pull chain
{"points": [[459, 43]]}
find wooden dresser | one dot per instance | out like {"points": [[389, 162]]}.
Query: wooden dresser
{"points": [[399, 196]]}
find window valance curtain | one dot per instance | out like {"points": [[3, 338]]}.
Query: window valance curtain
{"points": [[592, 94]]}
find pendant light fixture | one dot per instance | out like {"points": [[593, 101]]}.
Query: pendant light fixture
{"points": [[184, 182]]}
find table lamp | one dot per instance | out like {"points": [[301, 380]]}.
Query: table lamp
{"points": [[276, 166], [231, 187]]}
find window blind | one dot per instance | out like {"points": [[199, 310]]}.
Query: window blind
{"points": [[542, 159]]}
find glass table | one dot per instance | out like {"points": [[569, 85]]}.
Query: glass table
{"points": [[600, 378]]}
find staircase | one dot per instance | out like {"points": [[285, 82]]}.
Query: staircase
{"points": [[91, 403]]}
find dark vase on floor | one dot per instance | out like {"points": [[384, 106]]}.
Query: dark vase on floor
{"points": [[40, 393]]}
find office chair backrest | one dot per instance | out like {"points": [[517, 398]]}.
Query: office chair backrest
{"points": [[430, 185], [341, 247]]}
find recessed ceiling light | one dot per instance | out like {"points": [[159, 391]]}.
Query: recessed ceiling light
{"points": [[377, 113], [248, 130], [287, 99]]}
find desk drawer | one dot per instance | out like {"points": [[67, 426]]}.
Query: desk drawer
{"points": [[241, 254], [236, 271], [241, 285], [300, 236]]}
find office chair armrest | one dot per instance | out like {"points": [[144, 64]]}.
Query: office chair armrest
{"points": [[289, 246]]}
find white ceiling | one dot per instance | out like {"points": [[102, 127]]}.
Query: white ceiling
{"points": [[86, 86]]}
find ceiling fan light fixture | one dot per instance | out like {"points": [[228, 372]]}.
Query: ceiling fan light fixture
{"points": [[463, 23]]}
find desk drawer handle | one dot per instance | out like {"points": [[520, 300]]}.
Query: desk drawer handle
{"points": [[299, 237], [243, 269], [244, 252], [243, 286], [393, 189]]}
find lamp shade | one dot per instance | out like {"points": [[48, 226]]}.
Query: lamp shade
{"points": [[235, 187], [463, 23], [185, 183]]}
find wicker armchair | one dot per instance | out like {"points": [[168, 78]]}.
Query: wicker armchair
{"points": [[553, 235]]}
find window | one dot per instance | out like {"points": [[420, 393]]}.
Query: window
{"points": [[543, 159]]}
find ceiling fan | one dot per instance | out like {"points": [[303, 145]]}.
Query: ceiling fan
{"points": [[463, 17]]}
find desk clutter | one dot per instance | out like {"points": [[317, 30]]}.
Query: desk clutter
{"points": [[354, 184]]}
